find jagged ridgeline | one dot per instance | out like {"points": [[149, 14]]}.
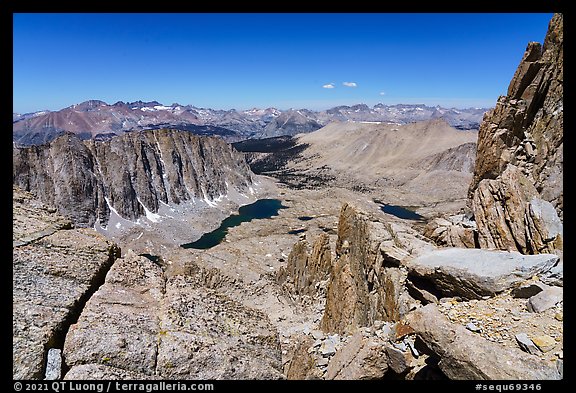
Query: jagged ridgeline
{"points": [[129, 175]]}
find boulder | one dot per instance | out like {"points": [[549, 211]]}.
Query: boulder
{"points": [[554, 276], [53, 364], [467, 356], [399, 360], [206, 335], [302, 364], [451, 233], [526, 344], [546, 299], [474, 273], [360, 358], [119, 325], [544, 342], [328, 346]]}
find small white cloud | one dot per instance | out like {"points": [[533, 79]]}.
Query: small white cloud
{"points": [[328, 86], [382, 93], [349, 84]]}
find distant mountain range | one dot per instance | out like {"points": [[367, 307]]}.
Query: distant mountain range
{"points": [[98, 120]]}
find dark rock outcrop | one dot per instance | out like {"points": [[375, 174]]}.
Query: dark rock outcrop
{"points": [[129, 175], [525, 128]]}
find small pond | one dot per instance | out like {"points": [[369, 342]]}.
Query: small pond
{"points": [[401, 212], [305, 218]]}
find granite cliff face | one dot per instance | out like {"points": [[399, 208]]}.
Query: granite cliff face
{"points": [[525, 129], [130, 175]]}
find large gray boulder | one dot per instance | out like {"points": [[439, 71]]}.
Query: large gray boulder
{"points": [[467, 356], [206, 335], [474, 273], [119, 325]]}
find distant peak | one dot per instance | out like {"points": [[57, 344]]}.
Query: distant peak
{"points": [[88, 105], [142, 104]]}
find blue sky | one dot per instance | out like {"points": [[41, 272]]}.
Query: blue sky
{"points": [[242, 61]]}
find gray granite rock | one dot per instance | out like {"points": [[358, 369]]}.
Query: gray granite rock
{"points": [[53, 364], [54, 269], [546, 299], [474, 273], [360, 358], [143, 323], [526, 344]]}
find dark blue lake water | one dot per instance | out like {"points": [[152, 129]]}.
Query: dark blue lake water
{"points": [[263, 208], [401, 212]]}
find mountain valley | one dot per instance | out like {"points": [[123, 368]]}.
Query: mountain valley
{"points": [[399, 242]]}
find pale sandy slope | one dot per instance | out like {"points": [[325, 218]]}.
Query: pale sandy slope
{"points": [[419, 163]]}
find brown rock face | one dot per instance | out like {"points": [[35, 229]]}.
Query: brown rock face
{"points": [[347, 297], [304, 270], [367, 283], [129, 174], [525, 128], [302, 364], [510, 215], [361, 358]]}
